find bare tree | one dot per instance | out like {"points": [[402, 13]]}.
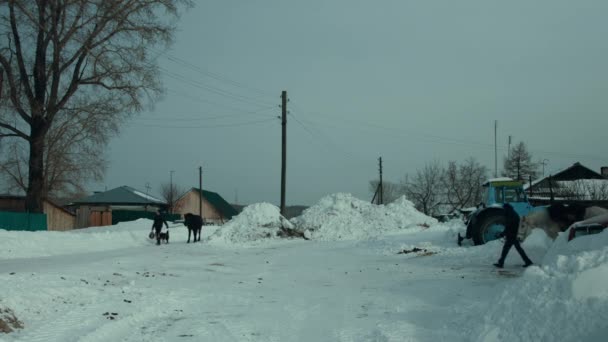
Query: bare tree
{"points": [[390, 191], [583, 189], [73, 155], [75, 57], [518, 165], [463, 183], [170, 193], [424, 189]]}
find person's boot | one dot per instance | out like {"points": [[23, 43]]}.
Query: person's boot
{"points": [[499, 265]]}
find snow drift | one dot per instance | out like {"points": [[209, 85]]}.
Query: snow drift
{"points": [[566, 299], [257, 222], [343, 217]]}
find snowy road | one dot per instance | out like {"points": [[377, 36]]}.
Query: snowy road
{"points": [[287, 291]]}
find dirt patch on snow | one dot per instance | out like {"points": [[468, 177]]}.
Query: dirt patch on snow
{"points": [[8, 321]]}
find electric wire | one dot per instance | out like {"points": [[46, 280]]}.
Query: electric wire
{"points": [[448, 140], [207, 126]]}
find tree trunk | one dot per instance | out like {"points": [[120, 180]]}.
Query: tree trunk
{"points": [[35, 191]]}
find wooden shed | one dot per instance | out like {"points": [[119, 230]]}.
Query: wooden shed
{"points": [[215, 209]]}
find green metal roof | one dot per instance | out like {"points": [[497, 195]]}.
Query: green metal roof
{"points": [[123, 195], [225, 209]]}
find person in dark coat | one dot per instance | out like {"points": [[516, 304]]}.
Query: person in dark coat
{"points": [[510, 234], [158, 225]]}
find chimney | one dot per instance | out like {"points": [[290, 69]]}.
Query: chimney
{"points": [[604, 171]]}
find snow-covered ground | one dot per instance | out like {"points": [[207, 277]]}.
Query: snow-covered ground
{"points": [[356, 279]]}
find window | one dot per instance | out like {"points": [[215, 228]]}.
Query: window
{"points": [[513, 195]]}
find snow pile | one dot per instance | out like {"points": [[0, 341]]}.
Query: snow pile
{"points": [[343, 217], [24, 244], [260, 221], [564, 300]]}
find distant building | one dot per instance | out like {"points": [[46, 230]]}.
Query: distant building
{"points": [[576, 183], [116, 205], [215, 209], [58, 218]]}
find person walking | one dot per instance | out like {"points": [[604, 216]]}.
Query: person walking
{"points": [[158, 225], [510, 234]]}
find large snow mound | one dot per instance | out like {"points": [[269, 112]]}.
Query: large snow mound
{"points": [[343, 217], [564, 300], [257, 222]]}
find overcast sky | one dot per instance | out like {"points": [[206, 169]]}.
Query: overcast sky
{"points": [[408, 81]]}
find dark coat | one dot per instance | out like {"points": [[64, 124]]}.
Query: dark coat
{"points": [[511, 222], [158, 222]]}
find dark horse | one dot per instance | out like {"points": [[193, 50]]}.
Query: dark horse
{"points": [[194, 224]]}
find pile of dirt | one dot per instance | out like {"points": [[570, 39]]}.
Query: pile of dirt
{"points": [[8, 321]]}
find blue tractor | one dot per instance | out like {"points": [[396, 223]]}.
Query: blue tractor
{"points": [[487, 222]]}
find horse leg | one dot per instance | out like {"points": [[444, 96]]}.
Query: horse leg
{"points": [[189, 230]]}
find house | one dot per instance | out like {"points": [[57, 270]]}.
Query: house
{"points": [[58, 218], [576, 183], [116, 205], [215, 208]]}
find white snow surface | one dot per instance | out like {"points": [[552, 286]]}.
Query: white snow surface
{"points": [[256, 223], [343, 217], [357, 280]]}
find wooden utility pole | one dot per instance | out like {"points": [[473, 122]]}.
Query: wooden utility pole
{"points": [[495, 150], [379, 194], [380, 186], [200, 189], [284, 148], [171, 193]]}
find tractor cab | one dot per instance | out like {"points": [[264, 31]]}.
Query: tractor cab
{"points": [[506, 190]]}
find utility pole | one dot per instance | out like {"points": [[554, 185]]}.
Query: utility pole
{"points": [[284, 148], [171, 193], [495, 151], [544, 162], [380, 186], [200, 189], [509, 148]]}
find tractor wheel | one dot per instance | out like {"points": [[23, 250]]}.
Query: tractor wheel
{"points": [[488, 226]]}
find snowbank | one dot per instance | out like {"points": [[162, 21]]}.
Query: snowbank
{"points": [[564, 300], [343, 217], [23, 244], [257, 222]]}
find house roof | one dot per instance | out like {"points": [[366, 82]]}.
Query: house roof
{"points": [[217, 201], [123, 195], [575, 171]]}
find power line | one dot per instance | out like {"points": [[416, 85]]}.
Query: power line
{"points": [[202, 100], [191, 119], [209, 126], [216, 76], [346, 153], [448, 140], [211, 89]]}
